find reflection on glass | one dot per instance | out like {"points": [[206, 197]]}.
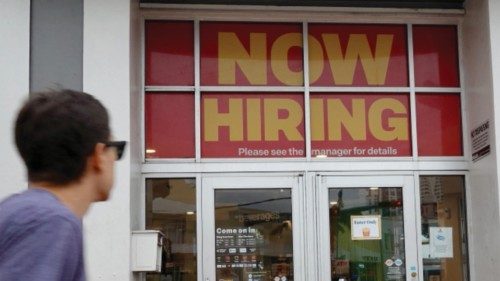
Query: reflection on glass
{"points": [[171, 208], [444, 243], [366, 234], [253, 235]]}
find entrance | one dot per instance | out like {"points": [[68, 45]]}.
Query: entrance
{"points": [[252, 229], [328, 227], [367, 228]]}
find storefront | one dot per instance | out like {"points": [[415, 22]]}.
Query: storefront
{"points": [[335, 147], [288, 143]]}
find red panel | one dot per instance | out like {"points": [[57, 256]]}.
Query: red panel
{"points": [[212, 32], [382, 46], [439, 125], [170, 125], [381, 127], [169, 53], [262, 146], [436, 56]]}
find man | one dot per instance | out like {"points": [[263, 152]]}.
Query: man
{"points": [[64, 140]]}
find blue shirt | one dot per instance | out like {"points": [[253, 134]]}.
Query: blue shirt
{"points": [[40, 239]]}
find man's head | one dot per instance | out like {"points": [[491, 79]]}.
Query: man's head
{"points": [[63, 136]]}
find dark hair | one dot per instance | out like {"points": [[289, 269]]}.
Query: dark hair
{"points": [[55, 133]]}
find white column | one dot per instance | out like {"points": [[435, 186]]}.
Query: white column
{"points": [[108, 64], [481, 57], [14, 81]]}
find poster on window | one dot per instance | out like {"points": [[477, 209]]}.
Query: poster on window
{"points": [[441, 242], [366, 227]]}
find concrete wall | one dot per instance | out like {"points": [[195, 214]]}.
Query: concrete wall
{"points": [[107, 60], [14, 81], [479, 28]]}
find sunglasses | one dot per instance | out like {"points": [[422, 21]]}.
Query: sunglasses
{"points": [[118, 145]]}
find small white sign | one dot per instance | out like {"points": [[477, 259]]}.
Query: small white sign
{"points": [[480, 141], [441, 242], [366, 227]]}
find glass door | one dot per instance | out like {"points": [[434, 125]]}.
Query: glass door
{"points": [[251, 228], [367, 229]]}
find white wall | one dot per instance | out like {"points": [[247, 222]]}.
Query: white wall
{"points": [[107, 75], [14, 85], [479, 29]]}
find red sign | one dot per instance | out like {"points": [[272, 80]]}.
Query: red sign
{"points": [[360, 125], [436, 56], [169, 53], [271, 54], [439, 124], [248, 125], [254, 54], [357, 55], [252, 125], [272, 125], [169, 125]]}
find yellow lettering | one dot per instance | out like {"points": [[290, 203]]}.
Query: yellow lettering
{"points": [[317, 120], [254, 130], [232, 53], [399, 125], [279, 59], [316, 63], [339, 115], [289, 125], [213, 119], [375, 67]]}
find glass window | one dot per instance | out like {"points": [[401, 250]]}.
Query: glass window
{"points": [[170, 125], [171, 209], [358, 55], [267, 125], [439, 124], [169, 53], [444, 236], [251, 54], [360, 125], [367, 234], [253, 239], [436, 56]]}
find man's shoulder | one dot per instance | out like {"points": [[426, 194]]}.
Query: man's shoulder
{"points": [[40, 239], [31, 208]]}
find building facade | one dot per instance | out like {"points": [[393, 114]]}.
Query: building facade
{"points": [[279, 142]]}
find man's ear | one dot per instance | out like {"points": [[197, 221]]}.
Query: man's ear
{"points": [[97, 158]]}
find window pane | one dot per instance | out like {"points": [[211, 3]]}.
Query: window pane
{"points": [[444, 242], [357, 55], [256, 54], [170, 125], [253, 239], [169, 53], [367, 234], [171, 209], [439, 125], [436, 56], [237, 125], [360, 125]]}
